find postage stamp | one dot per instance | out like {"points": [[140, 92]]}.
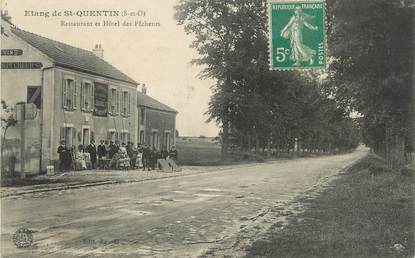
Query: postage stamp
{"points": [[297, 34]]}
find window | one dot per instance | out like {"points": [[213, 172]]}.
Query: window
{"points": [[142, 116], [34, 95], [68, 133], [167, 140], [125, 137], [86, 134], [69, 94], [142, 137], [112, 136], [87, 97], [155, 140], [125, 103], [113, 101]]}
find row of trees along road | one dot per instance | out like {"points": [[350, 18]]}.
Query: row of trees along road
{"points": [[261, 109]]}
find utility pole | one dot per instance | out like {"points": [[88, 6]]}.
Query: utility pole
{"points": [[21, 108]]}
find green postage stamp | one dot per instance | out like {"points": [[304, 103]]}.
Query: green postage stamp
{"points": [[297, 34]]}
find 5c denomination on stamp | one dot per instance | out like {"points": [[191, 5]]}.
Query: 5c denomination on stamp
{"points": [[297, 34]]}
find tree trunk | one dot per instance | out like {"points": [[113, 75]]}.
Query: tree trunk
{"points": [[394, 147], [225, 139], [249, 143], [256, 142]]}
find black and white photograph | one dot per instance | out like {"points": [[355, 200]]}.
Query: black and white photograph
{"points": [[207, 128]]}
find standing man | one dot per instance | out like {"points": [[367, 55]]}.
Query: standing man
{"points": [[164, 153], [173, 154], [92, 150], [146, 157], [102, 153], [112, 149], [154, 156], [64, 156]]}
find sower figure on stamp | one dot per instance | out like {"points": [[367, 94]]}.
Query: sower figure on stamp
{"points": [[294, 31]]}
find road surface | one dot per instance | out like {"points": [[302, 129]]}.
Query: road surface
{"points": [[177, 217]]}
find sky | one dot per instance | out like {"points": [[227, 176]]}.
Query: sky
{"points": [[157, 56]]}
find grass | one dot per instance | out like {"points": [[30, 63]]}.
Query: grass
{"points": [[196, 151], [364, 213]]}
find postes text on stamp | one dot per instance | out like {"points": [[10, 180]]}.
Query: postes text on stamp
{"points": [[297, 35]]}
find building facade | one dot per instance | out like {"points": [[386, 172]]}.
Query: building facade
{"points": [[156, 122], [78, 96]]}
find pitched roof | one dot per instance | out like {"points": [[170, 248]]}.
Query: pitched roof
{"points": [[72, 57], [146, 101]]}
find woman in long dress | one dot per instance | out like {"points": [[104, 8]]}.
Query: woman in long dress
{"points": [[293, 31], [79, 155], [124, 160]]}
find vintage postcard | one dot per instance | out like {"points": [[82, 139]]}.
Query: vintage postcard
{"points": [[207, 128]]}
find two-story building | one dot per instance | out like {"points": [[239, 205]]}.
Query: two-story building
{"points": [[78, 95]]}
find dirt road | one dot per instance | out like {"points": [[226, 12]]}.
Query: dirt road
{"points": [[176, 217]]}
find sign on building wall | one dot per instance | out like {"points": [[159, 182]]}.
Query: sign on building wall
{"points": [[21, 65], [100, 99], [11, 52]]}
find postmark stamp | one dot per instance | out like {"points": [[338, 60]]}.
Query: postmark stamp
{"points": [[297, 34], [23, 238]]}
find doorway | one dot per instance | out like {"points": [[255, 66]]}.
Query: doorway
{"points": [[85, 136]]}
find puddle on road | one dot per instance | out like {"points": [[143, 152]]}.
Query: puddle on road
{"points": [[180, 192], [211, 190], [136, 212], [208, 195]]}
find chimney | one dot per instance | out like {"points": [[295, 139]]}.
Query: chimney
{"points": [[5, 15], [98, 51], [144, 89]]}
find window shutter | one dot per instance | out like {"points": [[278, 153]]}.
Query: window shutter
{"points": [[129, 103], [110, 101], [117, 99], [116, 136], [64, 93], [109, 136], [73, 129], [92, 97], [75, 88], [119, 111], [82, 105], [62, 134], [122, 103]]}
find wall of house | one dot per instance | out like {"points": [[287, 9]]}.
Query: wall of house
{"points": [[160, 122], [82, 119], [14, 89], [14, 82]]}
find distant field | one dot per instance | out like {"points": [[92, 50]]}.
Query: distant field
{"points": [[198, 151]]}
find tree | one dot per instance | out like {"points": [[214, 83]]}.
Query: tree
{"points": [[371, 70], [7, 120], [226, 35], [253, 105]]}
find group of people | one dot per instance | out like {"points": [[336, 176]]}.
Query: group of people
{"points": [[109, 154]]}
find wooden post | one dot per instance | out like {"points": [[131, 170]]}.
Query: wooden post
{"points": [[22, 142]]}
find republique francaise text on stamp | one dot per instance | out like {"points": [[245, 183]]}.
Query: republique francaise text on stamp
{"points": [[297, 35]]}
